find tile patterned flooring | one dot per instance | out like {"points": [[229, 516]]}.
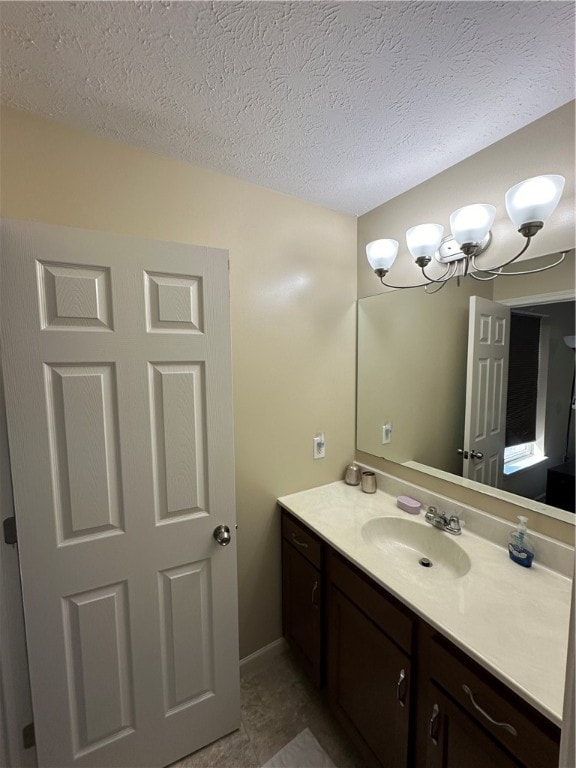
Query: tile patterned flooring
{"points": [[277, 703]]}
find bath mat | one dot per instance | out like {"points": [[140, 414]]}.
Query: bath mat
{"points": [[302, 752]]}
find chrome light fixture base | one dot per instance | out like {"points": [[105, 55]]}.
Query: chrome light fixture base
{"points": [[450, 250]]}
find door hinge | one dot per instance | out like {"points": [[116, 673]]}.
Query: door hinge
{"points": [[10, 535], [28, 736]]}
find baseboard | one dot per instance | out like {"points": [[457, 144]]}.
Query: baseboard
{"points": [[263, 656]]}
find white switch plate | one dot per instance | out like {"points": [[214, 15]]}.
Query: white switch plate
{"points": [[387, 433], [319, 446]]}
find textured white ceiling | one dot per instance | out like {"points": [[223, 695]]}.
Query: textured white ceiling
{"points": [[344, 104]]}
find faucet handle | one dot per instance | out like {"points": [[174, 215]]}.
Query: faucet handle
{"points": [[431, 513], [454, 525]]}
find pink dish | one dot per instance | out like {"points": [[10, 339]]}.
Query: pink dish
{"points": [[408, 505]]}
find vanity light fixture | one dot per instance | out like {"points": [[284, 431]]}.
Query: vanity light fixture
{"points": [[528, 204]]}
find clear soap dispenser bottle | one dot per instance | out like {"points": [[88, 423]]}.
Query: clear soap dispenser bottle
{"points": [[520, 546]]}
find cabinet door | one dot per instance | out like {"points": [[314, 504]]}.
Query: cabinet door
{"points": [[455, 740], [368, 683], [496, 711], [301, 610]]}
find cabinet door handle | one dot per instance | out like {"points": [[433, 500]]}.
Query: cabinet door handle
{"points": [[314, 588], [400, 689], [300, 542], [434, 724], [506, 726]]}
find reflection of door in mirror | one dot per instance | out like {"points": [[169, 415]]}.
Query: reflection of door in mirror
{"points": [[515, 427], [486, 387]]}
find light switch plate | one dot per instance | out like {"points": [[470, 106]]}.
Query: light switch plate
{"points": [[319, 446]]}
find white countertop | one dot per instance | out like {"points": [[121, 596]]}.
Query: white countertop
{"points": [[512, 620]]}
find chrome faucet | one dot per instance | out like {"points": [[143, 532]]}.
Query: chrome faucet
{"points": [[439, 520]]}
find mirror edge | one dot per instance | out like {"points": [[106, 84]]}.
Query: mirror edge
{"points": [[534, 506]]}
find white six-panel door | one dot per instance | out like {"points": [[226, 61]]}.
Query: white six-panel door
{"points": [[486, 390], [118, 388]]}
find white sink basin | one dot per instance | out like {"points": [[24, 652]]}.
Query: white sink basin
{"points": [[408, 542]]}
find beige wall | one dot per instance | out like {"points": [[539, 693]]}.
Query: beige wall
{"points": [[293, 290], [545, 146]]}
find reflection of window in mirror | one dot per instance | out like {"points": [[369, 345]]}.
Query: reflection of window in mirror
{"points": [[527, 389]]}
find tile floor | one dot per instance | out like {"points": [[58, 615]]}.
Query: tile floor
{"points": [[277, 702]]}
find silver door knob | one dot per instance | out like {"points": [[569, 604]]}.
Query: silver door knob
{"points": [[222, 535], [476, 455]]}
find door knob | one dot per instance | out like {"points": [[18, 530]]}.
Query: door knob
{"points": [[222, 535], [476, 455], [462, 452]]}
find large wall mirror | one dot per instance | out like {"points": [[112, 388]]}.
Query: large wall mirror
{"points": [[412, 353]]}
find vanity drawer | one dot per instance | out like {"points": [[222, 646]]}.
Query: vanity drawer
{"points": [[302, 539], [383, 609], [486, 699]]}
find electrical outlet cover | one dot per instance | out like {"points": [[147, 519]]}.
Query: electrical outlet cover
{"points": [[319, 446]]}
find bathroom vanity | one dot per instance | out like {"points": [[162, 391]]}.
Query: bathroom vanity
{"points": [[457, 664]]}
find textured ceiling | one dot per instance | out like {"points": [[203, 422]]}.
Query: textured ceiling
{"points": [[344, 104]]}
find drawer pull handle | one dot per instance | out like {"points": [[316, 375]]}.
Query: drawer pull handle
{"points": [[314, 588], [434, 724], [506, 726], [400, 695], [300, 542]]}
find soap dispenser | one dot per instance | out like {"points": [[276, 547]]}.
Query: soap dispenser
{"points": [[520, 546]]}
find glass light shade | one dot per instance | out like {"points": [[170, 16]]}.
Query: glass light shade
{"points": [[424, 240], [381, 253], [534, 199], [472, 223]]}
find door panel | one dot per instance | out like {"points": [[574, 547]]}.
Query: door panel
{"points": [[99, 665], [487, 382], [118, 390], [177, 394], [82, 413], [185, 603]]}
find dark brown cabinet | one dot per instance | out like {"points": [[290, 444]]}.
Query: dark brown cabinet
{"points": [[302, 596], [468, 709], [403, 692], [455, 740], [369, 669]]}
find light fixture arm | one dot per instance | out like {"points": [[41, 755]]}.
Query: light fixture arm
{"points": [[449, 273], [494, 273], [497, 270], [389, 285], [492, 276], [437, 287]]}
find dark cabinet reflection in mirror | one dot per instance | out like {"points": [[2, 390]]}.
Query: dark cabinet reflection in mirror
{"points": [[412, 361]]}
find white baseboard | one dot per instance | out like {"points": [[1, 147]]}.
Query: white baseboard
{"points": [[263, 656]]}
